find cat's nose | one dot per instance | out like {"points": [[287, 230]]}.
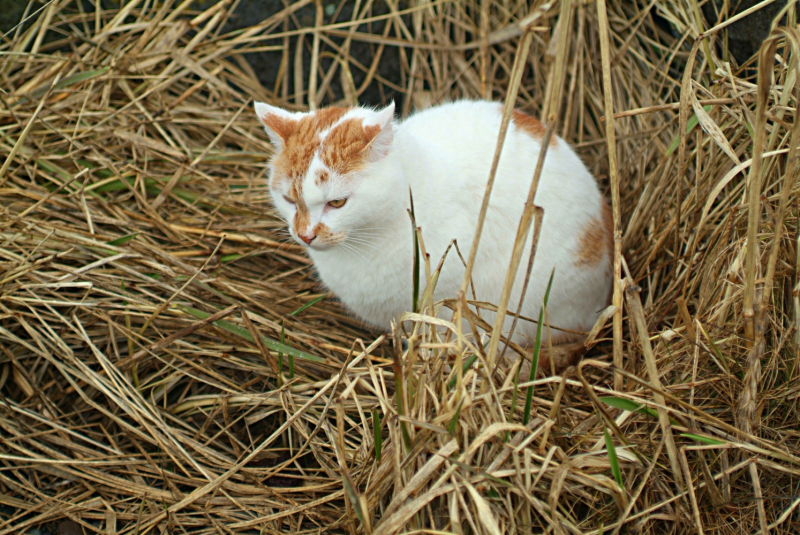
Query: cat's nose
{"points": [[307, 239]]}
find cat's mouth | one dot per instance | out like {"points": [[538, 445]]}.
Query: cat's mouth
{"points": [[320, 242]]}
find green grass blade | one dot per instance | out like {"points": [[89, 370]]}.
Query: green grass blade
{"points": [[123, 240], [376, 433], [209, 289], [230, 257], [399, 392], [291, 358], [244, 333], [68, 81], [56, 170], [534, 365], [464, 367], [102, 173], [353, 495], [537, 346], [451, 427], [723, 360], [612, 458], [152, 187], [415, 296], [628, 405], [308, 305], [690, 124], [705, 440]]}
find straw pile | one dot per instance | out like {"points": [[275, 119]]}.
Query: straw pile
{"points": [[168, 363]]}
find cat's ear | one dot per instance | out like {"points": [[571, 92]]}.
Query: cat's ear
{"points": [[382, 142], [278, 122]]}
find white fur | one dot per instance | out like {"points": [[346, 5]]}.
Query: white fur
{"points": [[444, 155]]}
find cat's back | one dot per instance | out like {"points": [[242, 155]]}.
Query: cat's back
{"points": [[453, 124], [448, 150]]}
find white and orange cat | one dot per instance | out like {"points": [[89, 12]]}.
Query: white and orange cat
{"points": [[340, 177]]}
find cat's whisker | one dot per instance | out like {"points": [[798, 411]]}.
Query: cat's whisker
{"points": [[372, 238], [369, 239], [353, 251], [363, 233], [360, 253], [287, 241], [367, 244], [353, 245], [347, 250]]}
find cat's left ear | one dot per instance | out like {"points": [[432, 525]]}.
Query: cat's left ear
{"points": [[278, 123], [382, 142]]}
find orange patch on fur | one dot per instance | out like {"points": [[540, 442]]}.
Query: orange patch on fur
{"points": [[608, 223], [301, 140], [597, 239], [346, 145], [324, 234], [531, 126], [280, 125], [322, 177], [560, 358], [301, 218], [322, 231]]}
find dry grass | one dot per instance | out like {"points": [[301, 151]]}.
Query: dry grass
{"points": [[133, 206]]}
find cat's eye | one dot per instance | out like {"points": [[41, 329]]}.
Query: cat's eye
{"points": [[287, 199], [337, 203]]}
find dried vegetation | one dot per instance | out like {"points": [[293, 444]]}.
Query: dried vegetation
{"points": [[169, 365]]}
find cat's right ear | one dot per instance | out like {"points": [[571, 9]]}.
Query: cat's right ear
{"points": [[382, 142], [278, 122]]}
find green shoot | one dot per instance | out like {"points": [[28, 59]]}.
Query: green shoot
{"points": [[628, 405], [690, 124], [451, 427], [67, 81], [415, 275], [308, 305], [704, 439], [537, 346], [376, 432], [291, 358], [399, 392], [123, 240], [612, 458], [464, 367], [244, 333]]}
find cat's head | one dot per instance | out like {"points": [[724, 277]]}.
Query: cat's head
{"points": [[323, 173]]}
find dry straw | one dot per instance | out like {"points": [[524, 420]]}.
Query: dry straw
{"points": [[168, 363]]}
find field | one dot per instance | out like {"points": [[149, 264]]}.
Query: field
{"points": [[170, 364]]}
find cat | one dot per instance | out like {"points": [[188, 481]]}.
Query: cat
{"points": [[340, 178]]}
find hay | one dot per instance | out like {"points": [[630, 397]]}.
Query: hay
{"points": [[169, 365]]}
